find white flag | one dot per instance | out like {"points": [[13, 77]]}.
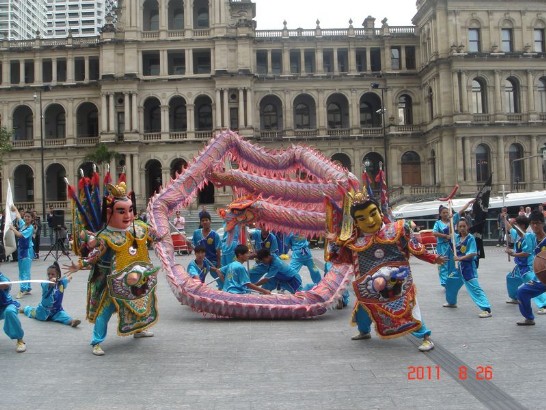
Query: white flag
{"points": [[10, 244]]}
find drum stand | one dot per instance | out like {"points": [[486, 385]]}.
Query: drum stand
{"points": [[57, 247]]}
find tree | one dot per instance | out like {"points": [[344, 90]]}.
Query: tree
{"points": [[102, 155], [6, 137]]}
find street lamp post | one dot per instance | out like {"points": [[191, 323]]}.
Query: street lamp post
{"points": [[38, 97], [383, 111]]}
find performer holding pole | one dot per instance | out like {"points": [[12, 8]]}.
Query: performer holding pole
{"points": [[10, 314]]}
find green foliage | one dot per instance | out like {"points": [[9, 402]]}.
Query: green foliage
{"points": [[102, 155], [6, 137]]}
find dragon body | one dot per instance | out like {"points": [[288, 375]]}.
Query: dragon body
{"points": [[287, 204]]}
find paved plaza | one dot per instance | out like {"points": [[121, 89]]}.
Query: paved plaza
{"points": [[201, 362]]}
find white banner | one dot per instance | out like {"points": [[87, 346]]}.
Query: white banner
{"points": [[10, 244]]}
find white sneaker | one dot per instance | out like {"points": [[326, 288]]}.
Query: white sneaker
{"points": [[485, 313], [19, 295], [97, 350], [426, 346], [541, 311], [144, 333], [20, 347], [362, 336]]}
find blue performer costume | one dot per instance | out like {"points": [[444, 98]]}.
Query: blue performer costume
{"points": [[235, 278], [444, 248], [301, 256], [51, 306], [25, 253], [269, 242], [467, 273], [228, 249], [212, 244], [531, 289], [9, 312], [279, 276], [197, 272]]}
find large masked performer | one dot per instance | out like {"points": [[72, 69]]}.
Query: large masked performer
{"points": [[384, 285], [122, 278]]}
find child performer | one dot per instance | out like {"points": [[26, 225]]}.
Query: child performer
{"points": [[524, 246], [442, 232], [25, 248], [467, 253], [201, 265], [235, 275], [301, 256], [9, 312], [278, 275], [210, 240], [51, 306], [533, 287]]}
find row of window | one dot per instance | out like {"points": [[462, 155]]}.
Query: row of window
{"points": [[175, 15], [52, 70], [511, 96], [507, 40], [333, 60]]}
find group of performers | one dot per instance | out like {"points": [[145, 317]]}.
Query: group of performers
{"points": [[122, 279]]}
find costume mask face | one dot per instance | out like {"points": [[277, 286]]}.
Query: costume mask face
{"points": [[369, 219], [122, 215]]}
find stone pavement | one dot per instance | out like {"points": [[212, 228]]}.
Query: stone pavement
{"points": [[205, 363]]}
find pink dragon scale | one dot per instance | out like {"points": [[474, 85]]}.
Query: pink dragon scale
{"points": [[284, 205]]}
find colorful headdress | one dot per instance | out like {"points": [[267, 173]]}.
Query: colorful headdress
{"points": [[118, 191]]}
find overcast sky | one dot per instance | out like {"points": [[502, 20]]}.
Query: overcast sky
{"points": [[331, 13]]}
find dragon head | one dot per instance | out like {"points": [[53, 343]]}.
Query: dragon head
{"points": [[239, 212]]}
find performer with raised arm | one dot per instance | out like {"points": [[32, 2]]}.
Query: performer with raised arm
{"points": [[384, 285], [122, 278]]}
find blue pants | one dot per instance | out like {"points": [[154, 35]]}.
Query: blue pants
{"points": [[12, 324], [40, 313], [526, 292], [297, 264], [292, 285], [514, 281], [24, 273], [101, 322], [455, 282], [364, 322]]}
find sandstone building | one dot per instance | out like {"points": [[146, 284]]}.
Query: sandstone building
{"points": [[455, 97]]}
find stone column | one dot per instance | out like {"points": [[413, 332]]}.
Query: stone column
{"points": [[250, 108], [189, 62], [38, 77], [69, 131], [134, 112], [218, 108], [501, 158], [163, 63], [86, 65], [319, 60], [368, 60], [5, 71], [70, 69], [498, 106], [111, 112], [285, 60], [190, 108], [402, 58], [129, 171], [136, 177], [53, 70], [269, 66], [464, 94], [241, 108], [21, 72], [336, 62], [530, 92], [534, 164], [164, 119], [456, 100], [225, 122], [127, 111], [104, 113]]}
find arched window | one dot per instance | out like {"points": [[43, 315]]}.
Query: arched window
{"points": [[60, 125], [483, 163], [511, 96], [366, 115], [204, 117], [541, 106], [302, 119], [405, 110], [270, 117], [203, 18], [334, 116], [150, 10], [479, 105], [515, 152]]}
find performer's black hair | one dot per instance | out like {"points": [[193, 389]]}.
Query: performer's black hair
{"points": [[241, 250], [57, 268], [523, 221], [536, 216], [262, 254]]}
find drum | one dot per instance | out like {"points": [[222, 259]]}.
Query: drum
{"points": [[539, 266]]}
